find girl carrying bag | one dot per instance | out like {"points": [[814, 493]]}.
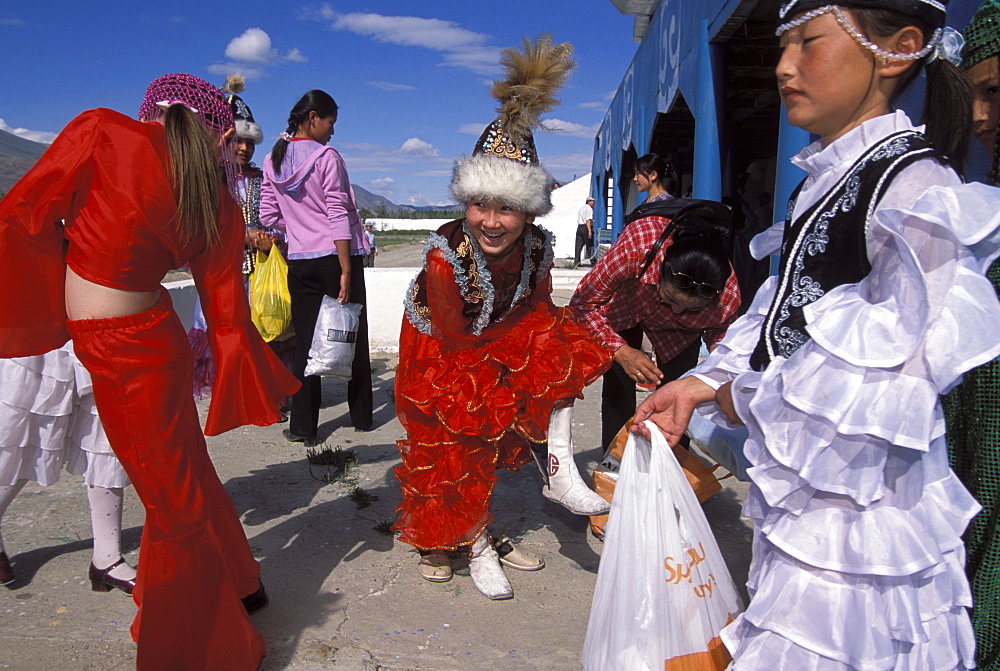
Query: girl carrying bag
{"points": [[663, 591]]}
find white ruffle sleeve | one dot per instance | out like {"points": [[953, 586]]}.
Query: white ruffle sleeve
{"points": [[858, 557]]}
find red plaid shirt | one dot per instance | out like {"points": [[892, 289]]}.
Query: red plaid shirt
{"points": [[612, 297]]}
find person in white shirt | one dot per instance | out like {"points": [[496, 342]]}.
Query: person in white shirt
{"points": [[584, 230]]}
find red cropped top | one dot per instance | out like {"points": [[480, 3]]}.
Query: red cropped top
{"points": [[100, 201]]}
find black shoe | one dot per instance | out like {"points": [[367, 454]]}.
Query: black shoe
{"points": [[6, 571], [100, 581], [296, 438], [256, 601]]}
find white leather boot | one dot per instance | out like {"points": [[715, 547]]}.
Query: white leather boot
{"points": [[566, 487], [487, 574]]}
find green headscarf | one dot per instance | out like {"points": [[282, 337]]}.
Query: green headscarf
{"points": [[982, 35]]}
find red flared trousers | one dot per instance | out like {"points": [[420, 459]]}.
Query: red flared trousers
{"points": [[194, 559]]}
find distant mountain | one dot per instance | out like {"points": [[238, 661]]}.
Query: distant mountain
{"points": [[17, 155], [372, 201]]}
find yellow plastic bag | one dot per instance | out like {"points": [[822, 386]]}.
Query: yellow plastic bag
{"points": [[270, 302]]}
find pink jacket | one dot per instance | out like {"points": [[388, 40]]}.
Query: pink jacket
{"points": [[312, 201]]}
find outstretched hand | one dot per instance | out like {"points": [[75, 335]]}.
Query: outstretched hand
{"points": [[670, 407]]}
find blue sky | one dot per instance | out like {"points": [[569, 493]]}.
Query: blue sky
{"points": [[410, 78]]}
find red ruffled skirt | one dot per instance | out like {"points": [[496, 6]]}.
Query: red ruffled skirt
{"points": [[470, 409]]}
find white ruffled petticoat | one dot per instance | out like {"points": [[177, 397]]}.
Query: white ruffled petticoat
{"points": [[858, 561], [48, 421]]}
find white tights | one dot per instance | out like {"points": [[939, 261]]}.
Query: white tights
{"points": [[105, 520]]}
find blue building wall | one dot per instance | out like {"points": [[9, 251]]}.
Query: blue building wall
{"points": [[677, 56]]}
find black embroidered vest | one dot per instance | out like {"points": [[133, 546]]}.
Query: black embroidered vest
{"points": [[826, 246], [482, 303]]}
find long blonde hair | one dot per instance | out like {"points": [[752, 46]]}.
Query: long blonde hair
{"points": [[194, 164]]}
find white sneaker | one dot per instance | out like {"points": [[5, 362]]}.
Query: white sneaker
{"points": [[487, 574], [566, 487]]}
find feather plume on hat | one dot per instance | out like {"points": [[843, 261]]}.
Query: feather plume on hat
{"points": [[235, 83], [504, 164], [534, 75]]}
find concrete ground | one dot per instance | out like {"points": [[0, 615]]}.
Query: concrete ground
{"points": [[345, 596]]}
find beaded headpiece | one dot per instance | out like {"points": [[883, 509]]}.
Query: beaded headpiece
{"points": [[246, 127], [504, 165], [982, 35], [931, 12], [198, 95], [202, 98], [932, 45]]}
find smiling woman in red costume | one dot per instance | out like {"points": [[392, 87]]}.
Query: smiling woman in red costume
{"points": [[110, 208], [484, 355]]}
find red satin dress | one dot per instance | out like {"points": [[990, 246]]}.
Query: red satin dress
{"points": [[477, 380], [107, 177]]}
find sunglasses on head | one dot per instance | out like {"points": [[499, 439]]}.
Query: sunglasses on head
{"points": [[688, 284]]}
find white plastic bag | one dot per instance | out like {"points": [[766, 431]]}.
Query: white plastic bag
{"points": [[663, 590], [332, 349]]}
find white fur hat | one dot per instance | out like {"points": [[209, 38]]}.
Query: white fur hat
{"points": [[504, 164], [249, 131], [517, 184]]}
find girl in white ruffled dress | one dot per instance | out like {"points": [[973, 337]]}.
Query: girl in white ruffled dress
{"points": [[48, 421], [880, 306]]}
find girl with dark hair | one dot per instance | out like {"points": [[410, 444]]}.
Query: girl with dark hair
{"points": [[137, 198], [672, 283], [307, 194], [836, 369], [656, 178], [972, 410]]}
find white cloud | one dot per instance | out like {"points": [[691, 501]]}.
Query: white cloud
{"points": [[571, 129], [248, 72], [391, 86], [369, 157], [418, 199], [462, 48], [599, 105], [417, 147], [253, 46], [45, 137], [564, 165], [383, 183], [249, 53]]}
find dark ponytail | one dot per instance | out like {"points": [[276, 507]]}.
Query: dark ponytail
{"points": [[666, 175], [313, 101], [948, 99]]}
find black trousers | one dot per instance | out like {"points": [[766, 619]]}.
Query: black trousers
{"points": [[308, 281], [583, 242], [618, 398]]}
